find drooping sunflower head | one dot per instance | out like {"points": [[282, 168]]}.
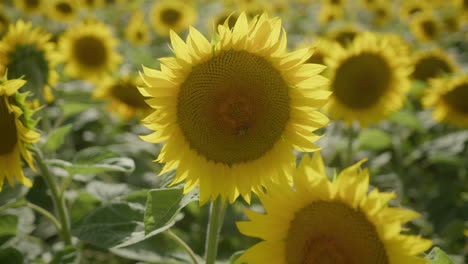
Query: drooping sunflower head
{"points": [[229, 108], [137, 31], [369, 80], [175, 15], [432, 64], [16, 133], [88, 51], [27, 51], [448, 98], [30, 6], [425, 27], [63, 10], [125, 99], [323, 221]]}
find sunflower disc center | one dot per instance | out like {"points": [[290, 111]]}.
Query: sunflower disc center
{"points": [[233, 108], [456, 98], [128, 93], [64, 8], [90, 51], [362, 80], [170, 16], [332, 232], [8, 132], [430, 67]]}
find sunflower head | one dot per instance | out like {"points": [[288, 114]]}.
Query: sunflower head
{"points": [[432, 64], [137, 32], [382, 13], [323, 221], [410, 8], [30, 6], [4, 22], [27, 51], [63, 10], [448, 98], [344, 35], [225, 17], [88, 51], [175, 15], [91, 4], [329, 13], [368, 80], [16, 132], [228, 108], [425, 27]]}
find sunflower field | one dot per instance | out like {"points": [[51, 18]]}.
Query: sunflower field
{"points": [[234, 131]]}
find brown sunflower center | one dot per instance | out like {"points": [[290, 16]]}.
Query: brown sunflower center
{"points": [[361, 80], [414, 10], [32, 3], [331, 232], [64, 8], [233, 108], [429, 28], [90, 51], [345, 37], [171, 16], [457, 98], [8, 132], [127, 93], [430, 67]]}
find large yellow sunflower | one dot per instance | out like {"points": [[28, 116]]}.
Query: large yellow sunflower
{"points": [[432, 64], [30, 6], [426, 27], [323, 221], [63, 10], [368, 79], [233, 108], [88, 51], [16, 132], [4, 22], [137, 31], [27, 51], [125, 100], [448, 97], [175, 15]]}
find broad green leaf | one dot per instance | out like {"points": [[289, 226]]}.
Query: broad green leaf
{"points": [[10, 255], [8, 224], [56, 138], [68, 255], [71, 108], [10, 195], [406, 119], [374, 139], [107, 191], [437, 256], [84, 204], [163, 205], [112, 164], [94, 155]]}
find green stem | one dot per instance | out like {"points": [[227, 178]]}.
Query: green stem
{"points": [[59, 202], [45, 213], [214, 226], [349, 149], [181, 242]]}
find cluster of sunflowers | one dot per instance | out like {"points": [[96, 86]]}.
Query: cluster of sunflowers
{"points": [[235, 119]]}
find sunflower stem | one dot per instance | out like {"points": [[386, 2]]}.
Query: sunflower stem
{"points": [[46, 214], [214, 226], [181, 242], [59, 202]]}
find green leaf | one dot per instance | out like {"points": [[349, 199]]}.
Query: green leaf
{"points": [[107, 191], [68, 255], [71, 108], [406, 119], [112, 164], [163, 205], [94, 155], [8, 225], [437, 256], [84, 204], [234, 257], [374, 139], [11, 255], [56, 138]]}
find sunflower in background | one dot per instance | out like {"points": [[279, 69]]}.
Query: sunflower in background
{"points": [[322, 48], [344, 35], [227, 109], [431, 64], [369, 80], [125, 99], [382, 13], [226, 16], [339, 3], [63, 10], [329, 13], [88, 51], [91, 4], [27, 51], [425, 27], [323, 221], [174, 15], [448, 98], [30, 6], [137, 31], [16, 132], [409, 8], [4, 22]]}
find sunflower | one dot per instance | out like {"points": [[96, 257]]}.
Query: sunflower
{"points": [[125, 99], [369, 3], [382, 13], [451, 23], [4, 22], [368, 80], [16, 132], [228, 109], [91, 4], [344, 35], [425, 27], [173, 15], [322, 50], [432, 64], [30, 6], [27, 51], [448, 97], [329, 13], [88, 51], [323, 221], [411, 7], [137, 31], [226, 16], [63, 10], [340, 3]]}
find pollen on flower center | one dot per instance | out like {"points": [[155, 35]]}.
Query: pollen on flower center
{"points": [[90, 51], [8, 132], [233, 108]]}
